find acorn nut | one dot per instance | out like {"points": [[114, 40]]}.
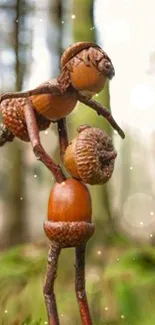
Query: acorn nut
{"points": [[89, 67], [90, 156]]}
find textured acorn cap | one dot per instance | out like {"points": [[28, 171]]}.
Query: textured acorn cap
{"points": [[74, 49], [69, 234], [90, 156]]}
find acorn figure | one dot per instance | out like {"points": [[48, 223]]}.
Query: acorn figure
{"points": [[90, 157]]}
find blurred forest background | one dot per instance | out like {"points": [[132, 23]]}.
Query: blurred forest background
{"points": [[120, 270]]}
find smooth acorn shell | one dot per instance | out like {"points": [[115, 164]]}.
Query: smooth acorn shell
{"points": [[69, 201], [87, 78], [90, 156], [55, 107]]}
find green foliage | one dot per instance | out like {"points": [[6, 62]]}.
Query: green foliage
{"points": [[120, 286]]}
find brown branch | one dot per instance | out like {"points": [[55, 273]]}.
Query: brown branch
{"points": [[38, 150], [101, 111], [63, 137], [50, 277], [80, 285], [46, 88]]}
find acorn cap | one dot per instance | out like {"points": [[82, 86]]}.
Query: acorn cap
{"points": [[74, 49], [69, 234], [90, 156]]}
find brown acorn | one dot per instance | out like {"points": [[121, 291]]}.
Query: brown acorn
{"points": [[69, 214], [89, 67], [69, 201], [90, 156], [54, 107]]}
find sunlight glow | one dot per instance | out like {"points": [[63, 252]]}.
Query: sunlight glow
{"points": [[142, 96]]}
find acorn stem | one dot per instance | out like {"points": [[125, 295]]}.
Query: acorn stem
{"points": [[63, 136], [101, 111], [50, 277], [38, 150], [80, 285]]}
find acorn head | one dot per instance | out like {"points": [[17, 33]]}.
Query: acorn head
{"points": [[90, 156], [89, 67], [69, 201]]}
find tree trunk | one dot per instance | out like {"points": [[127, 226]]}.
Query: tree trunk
{"points": [[14, 192]]}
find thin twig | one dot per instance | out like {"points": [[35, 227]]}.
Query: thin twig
{"points": [[101, 111], [50, 277], [38, 150], [63, 137], [80, 285], [46, 88]]}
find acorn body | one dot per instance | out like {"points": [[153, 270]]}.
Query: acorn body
{"points": [[69, 214], [89, 67], [69, 201], [55, 107], [47, 107], [90, 156]]}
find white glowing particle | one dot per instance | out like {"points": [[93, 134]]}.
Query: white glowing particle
{"points": [[73, 16], [151, 213], [122, 316], [41, 19], [62, 315], [151, 235], [21, 198], [131, 168], [63, 183], [62, 22], [106, 308], [35, 176], [141, 223], [6, 311], [117, 259], [99, 252], [46, 132]]}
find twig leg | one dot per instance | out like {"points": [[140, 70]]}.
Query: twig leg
{"points": [[63, 137], [50, 277], [101, 111], [80, 285], [36, 144]]}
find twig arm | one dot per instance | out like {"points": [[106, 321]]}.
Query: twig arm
{"points": [[80, 285], [101, 111], [45, 88], [63, 136], [50, 277], [38, 150]]}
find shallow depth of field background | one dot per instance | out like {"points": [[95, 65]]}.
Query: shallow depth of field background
{"points": [[120, 270]]}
